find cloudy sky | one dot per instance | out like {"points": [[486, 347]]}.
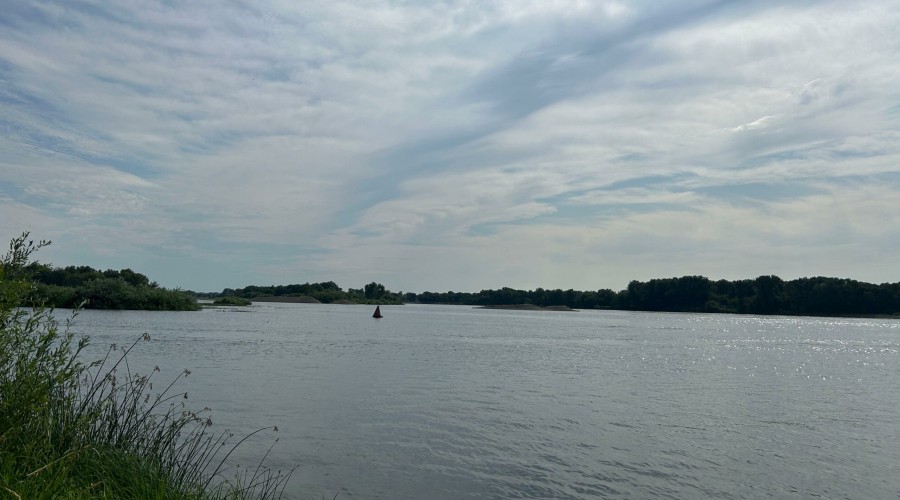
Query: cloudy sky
{"points": [[454, 145]]}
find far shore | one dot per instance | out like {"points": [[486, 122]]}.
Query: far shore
{"points": [[301, 299], [528, 307], [305, 299]]}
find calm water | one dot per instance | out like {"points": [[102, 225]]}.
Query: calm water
{"points": [[454, 402]]}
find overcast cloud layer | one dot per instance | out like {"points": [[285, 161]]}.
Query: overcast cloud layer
{"points": [[454, 145]]}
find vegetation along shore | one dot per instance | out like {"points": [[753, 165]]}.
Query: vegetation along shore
{"points": [[764, 295], [75, 286], [76, 429], [817, 296]]}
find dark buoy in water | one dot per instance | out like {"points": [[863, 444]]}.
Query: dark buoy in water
{"points": [[377, 312]]}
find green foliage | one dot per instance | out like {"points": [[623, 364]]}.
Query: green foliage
{"points": [[763, 295], [600, 299], [72, 286], [327, 293], [69, 430], [374, 290], [690, 293]]}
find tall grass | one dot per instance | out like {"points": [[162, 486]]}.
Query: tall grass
{"points": [[98, 430]]}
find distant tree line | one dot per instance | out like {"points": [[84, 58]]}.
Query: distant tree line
{"points": [[763, 295], [125, 289], [327, 292]]}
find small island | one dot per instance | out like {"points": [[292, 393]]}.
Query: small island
{"points": [[310, 293]]}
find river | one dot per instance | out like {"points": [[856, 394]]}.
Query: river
{"points": [[449, 402]]}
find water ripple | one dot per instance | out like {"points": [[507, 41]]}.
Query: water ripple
{"points": [[446, 402]]}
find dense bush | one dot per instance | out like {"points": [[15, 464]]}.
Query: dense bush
{"points": [[72, 287]]}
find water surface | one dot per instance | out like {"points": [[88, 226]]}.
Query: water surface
{"points": [[455, 402]]}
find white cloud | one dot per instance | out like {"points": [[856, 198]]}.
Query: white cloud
{"points": [[844, 233], [556, 144], [765, 122], [19, 217]]}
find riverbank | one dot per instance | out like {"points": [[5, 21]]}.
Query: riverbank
{"points": [[528, 307], [302, 299], [305, 299]]}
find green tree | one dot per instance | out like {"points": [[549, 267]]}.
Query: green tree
{"points": [[374, 290], [133, 278], [768, 298]]}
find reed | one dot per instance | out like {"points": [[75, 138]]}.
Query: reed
{"points": [[98, 430]]}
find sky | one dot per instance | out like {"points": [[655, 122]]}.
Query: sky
{"points": [[454, 145]]}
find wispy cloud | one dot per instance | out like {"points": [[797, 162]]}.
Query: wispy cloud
{"points": [[454, 145]]}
